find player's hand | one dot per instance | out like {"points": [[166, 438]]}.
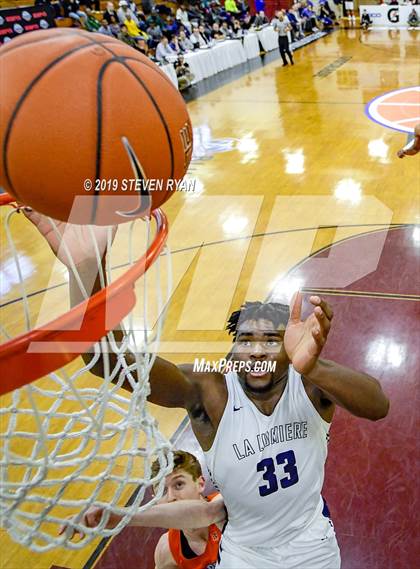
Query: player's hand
{"points": [[401, 153], [91, 519], [77, 239], [304, 341]]}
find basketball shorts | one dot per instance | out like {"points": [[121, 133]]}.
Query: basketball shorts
{"points": [[315, 548]]}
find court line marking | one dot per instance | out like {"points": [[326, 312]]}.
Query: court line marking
{"points": [[333, 66], [392, 227], [385, 104], [379, 226], [263, 101], [359, 293]]}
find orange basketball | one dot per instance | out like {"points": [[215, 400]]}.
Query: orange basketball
{"points": [[74, 105]]}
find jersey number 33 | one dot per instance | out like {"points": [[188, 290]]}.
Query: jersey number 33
{"points": [[287, 461]]}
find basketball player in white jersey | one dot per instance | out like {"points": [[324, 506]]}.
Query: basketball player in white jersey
{"points": [[264, 435]]}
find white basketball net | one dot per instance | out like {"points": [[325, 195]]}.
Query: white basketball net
{"points": [[72, 440]]}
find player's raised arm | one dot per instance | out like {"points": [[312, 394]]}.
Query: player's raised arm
{"points": [[357, 392], [170, 385]]}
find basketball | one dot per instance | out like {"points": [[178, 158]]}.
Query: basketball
{"points": [[77, 109]]}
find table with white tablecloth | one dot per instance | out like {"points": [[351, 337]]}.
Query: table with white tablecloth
{"points": [[251, 45], [227, 54], [201, 64], [223, 55], [269, 38], [169, 70]]}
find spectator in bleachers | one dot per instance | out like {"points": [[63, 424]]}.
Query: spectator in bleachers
{"points": [[171, 25], [154, 17], [164, 51], [147, 6], [123, 11], [125, 37], [329, 10], [91, 24], [133, 7], [365, 20], [308, 17], [155, 33], [114, 26], [132, 27], [184, 43], [260, 19], [105, 29], [197, 39], [143, 47], [183, 73], [413, 19], [216, 34], [174, 45], [182, 17], [226, 30], [195, 10], [237, 31], [296, 24], [247, 21], [230, 6], [216, 11], [110, 12], [324, 17], [205, 33], [72, 10]]}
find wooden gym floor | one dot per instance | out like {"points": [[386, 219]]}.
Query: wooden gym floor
{"points": [[286, 164]]}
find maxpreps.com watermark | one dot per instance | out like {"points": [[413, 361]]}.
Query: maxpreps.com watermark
{"points": [[226, 366], [139, 185]]}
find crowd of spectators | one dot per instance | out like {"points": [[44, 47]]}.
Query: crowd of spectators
{"points": [[165, 35]]}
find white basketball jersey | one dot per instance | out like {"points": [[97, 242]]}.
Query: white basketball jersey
{"points": [[269, 469]]}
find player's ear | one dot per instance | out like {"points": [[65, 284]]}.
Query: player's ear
{"points": [[201, 483]]}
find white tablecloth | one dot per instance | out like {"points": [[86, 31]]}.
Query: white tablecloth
{"points": [[227, 54], [207, 62], [268, 38], [251, 46], [201, 64], [169, 69]]}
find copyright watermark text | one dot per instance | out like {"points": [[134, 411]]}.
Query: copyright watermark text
{"points": [[137, 185]]}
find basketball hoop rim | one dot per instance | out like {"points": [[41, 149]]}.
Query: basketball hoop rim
{"points": [[97, 315]]}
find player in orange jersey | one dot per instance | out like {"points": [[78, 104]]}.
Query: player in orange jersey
{"points": [[190, 548], [195, 521], [412, 147]]}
